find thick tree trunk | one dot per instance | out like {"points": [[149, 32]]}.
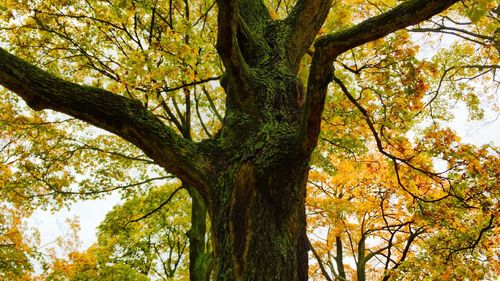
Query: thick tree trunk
{"points": [[252, 175], [259, 224], [257, 200]]}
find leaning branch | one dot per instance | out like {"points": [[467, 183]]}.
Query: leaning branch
{"points": [[320, 262], [124, 117], [409, 13]]}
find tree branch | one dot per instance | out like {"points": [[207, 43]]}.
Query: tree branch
{"points": [[157, 208], [329, 47], [339, 259], [320, 75], [320, 262], [124, 117], [193, 83], [409, 13], [474, 243], [380, 147], [304, 22], [227, 45]]}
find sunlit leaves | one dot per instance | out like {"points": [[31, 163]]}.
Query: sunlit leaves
{"points": [[361, 210], [145, 48], [426, 210], [134, 243], [86, 266], [59, 165]]}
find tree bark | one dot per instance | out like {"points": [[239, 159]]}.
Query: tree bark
{"points": [[258, 221]]}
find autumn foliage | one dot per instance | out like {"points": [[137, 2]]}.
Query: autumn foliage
{"points": [[393, 193]]}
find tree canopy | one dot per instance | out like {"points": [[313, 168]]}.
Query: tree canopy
{"points": [[212, 119]]}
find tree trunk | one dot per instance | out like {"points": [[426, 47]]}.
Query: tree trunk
{"points": [[257, 196], [259, 226], [200, 258], [361, 263], [252, 175]]}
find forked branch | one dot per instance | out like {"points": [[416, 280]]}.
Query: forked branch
{"points": [[227, 44], [329, 47]]}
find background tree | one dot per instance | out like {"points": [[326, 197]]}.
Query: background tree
{"points": [[366, 228], [137, 239], [15, 248], [150, 81]]}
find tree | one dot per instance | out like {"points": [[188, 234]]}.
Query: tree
{"points": [[375, 231], [132, 246], [85, 266], [114, 65], [14, 264]]}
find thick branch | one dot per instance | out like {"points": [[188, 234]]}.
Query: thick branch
{"points": [[329, 47], [320, 75], [409, 13], [122, 116], [254, 13], [304, 22], [227, 44]]}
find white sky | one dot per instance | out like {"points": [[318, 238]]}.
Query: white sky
{"points": [[90, 213]]}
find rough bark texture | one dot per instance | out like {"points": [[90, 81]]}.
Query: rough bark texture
{"points": [[258, 195], [252, 174], [250, 220]]}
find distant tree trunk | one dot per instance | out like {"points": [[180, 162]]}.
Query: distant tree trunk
{"points": [[200, 258], [361, 263]]}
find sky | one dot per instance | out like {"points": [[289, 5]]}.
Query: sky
{"points": [[90, 214]]}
